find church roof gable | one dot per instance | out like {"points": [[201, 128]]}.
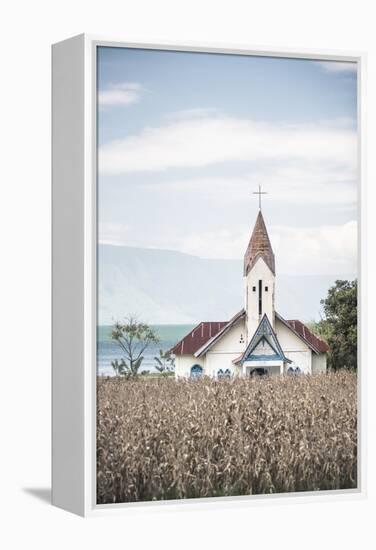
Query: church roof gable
{"points": [[264, 344], [206, 346], [198, 336], [206, 334], [303, 332]]}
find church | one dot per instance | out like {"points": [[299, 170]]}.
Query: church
{"points": [[257, 340]]}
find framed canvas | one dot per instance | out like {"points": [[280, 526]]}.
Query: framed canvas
{"points": [[208, 275]]}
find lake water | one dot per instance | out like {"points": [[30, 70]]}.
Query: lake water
{"points": [[108, 350]]}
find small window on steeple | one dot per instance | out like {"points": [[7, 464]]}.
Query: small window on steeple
{"points": [[266, 289], [260, 297], [254, 289]]}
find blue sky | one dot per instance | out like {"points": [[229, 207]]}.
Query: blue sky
{"points": [[185, 138]]}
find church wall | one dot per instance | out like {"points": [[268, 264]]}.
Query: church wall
{"points": [[211, 364], [230, 342], [184, 363], [216, 361], [260, 271], [228, 348], [318, 363], [301, 359], [294, 348]]}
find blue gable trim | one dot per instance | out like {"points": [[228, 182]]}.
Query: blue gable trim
{"points": [[274, 357], [264, 339], [264, 332]]}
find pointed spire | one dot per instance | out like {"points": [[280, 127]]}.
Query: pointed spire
{"points": [[259, 246]]}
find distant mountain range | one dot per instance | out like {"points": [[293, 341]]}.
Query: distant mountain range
{"points": [[164, 286]]}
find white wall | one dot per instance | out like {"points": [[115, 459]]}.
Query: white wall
{"points": [[184, 363], [259, 271], [226, 350], [220, 355], [294, 348], [231, 340], [319, 363], [229, 348], [216, 361]]}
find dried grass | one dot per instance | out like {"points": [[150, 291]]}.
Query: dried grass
{"points": [[162, 439]]}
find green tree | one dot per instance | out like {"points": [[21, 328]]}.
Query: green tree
{"points": [[133, 338], [339, 326], [165, 363]]}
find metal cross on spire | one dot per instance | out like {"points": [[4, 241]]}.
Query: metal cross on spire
{"points": [[259, 193]]}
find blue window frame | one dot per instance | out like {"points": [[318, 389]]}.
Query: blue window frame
{"points": [[292, 370], [196, 371]]}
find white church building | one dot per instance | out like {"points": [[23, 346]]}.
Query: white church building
{"points": [[257, 340]]}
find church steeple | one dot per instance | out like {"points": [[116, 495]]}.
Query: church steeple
{"points": [[259, 246], [259, 273]]}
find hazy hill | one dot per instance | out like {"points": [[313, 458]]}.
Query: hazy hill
{"points": [[163, 286]]}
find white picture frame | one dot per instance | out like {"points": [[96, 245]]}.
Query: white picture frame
{"points": [[74, 210]]}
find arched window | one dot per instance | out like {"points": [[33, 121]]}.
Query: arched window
{"points": [[220, 373], [196, 371], [296, 370], [227, 373]]}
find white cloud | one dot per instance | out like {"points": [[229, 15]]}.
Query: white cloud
{"points": [[338, 66], [208, 140], [298, 184], [302, 165], [187, 114], [123, 93], [329, 250], [223, 244], [321, 250]]}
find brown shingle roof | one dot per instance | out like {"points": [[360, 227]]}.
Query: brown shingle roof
{"points": [[205, 331], [207, 345], [259, 246], [198, 337], [311, 339]]}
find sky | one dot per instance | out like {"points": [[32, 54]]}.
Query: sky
{"points": [[184, 139]]}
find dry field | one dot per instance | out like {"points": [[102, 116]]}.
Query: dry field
{"points": [[161, 439]]}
